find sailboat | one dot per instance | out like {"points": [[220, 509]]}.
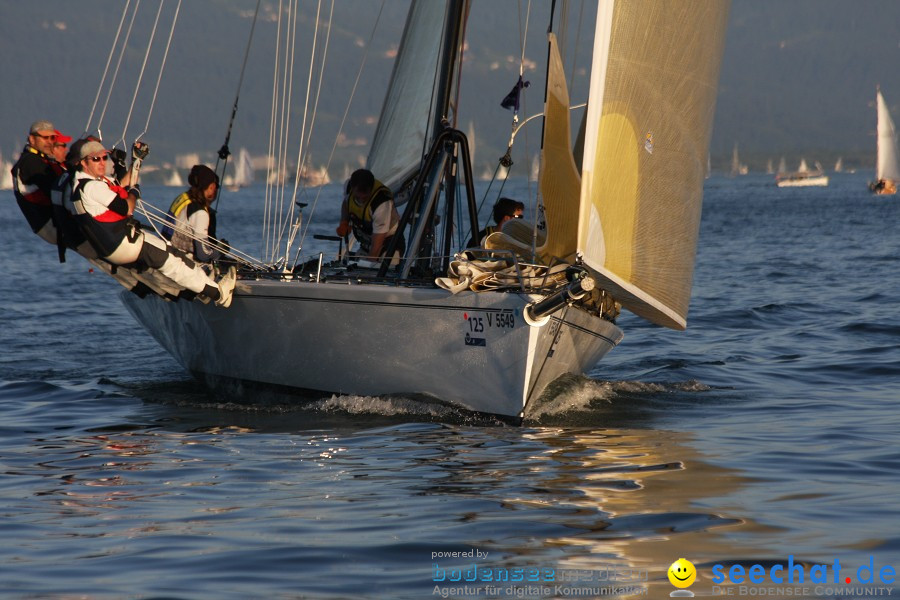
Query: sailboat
{"points": [[737, 167], [173, 179], [887, 169], [621, 232], [243, 171], [6, 180], [803, 176]]}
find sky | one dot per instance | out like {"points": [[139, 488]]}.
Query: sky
{"points": [[798, 76]]}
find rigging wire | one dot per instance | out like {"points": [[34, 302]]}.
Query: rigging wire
{"points": [[162, 67], [506, 160], [118, 66], [303, 137], [288, 94], [224, 151], [524, 40], [312, 124], [137, 86], [156, 215], [343, 122], [281, 116], [267, 208], [112, 50]]}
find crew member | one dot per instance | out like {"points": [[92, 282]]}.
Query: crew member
{"points": [[61, 147], [504, 210], [34, 175], [103, 210], [193, 216], [368, 211]]}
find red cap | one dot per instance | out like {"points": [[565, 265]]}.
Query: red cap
{"points": [[63, 139]]}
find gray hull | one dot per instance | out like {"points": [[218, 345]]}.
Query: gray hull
{"points": [[472, 350]]}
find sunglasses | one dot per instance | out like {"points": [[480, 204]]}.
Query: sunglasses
{"points": [[51, 137], [97, 159]]}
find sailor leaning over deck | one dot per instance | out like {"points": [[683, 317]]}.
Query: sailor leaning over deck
{"points": [[104, 212], [34, 175]]}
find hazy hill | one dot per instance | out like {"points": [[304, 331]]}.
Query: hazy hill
{"points": [[798, 77]]}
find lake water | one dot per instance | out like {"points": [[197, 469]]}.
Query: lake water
{"points": [[766, 434]]}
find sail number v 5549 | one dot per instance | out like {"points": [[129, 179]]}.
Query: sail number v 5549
{"points": [[496, 319]]}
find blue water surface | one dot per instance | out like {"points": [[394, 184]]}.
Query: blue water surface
{"points": [[767, 430]]}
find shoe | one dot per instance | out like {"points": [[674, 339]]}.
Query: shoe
{"points": [[226, 288]]}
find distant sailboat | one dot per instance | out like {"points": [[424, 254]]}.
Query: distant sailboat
{"points": [[313, 177], [6, 181], [174, 179], [803, 176], [839, 165], [737, 168], [887, 169], [770, 169], [243, 171]]}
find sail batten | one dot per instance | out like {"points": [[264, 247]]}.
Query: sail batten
{"points": [[650, 111]]}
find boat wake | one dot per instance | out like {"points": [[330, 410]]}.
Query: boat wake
{"points": [[577, 400], [571, 401]]}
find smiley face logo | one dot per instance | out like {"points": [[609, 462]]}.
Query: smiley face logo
{"points": [[682, 573]]}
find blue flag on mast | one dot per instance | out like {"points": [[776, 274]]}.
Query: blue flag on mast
{"points": [[512, 98]]}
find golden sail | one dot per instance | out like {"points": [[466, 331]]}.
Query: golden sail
{"points": [[649, 119]]}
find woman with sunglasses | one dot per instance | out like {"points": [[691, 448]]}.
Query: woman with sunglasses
{"points": [[104, 212]]}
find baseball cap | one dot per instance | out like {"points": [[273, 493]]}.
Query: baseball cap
{"points": [[39, 126]]}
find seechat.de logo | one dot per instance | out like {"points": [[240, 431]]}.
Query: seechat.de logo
{"points": [[682, 574]]}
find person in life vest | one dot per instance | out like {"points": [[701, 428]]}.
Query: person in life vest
{"points": [[61, 147], [504, 210], [195, 221], [34, 175], [103, 210], [71, 236], [368, 211]]}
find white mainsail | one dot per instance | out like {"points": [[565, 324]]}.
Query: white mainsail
{"points": [[173, 179], [410, 114], [6, 180], [243, 171], [650, 112], [888, 167]]}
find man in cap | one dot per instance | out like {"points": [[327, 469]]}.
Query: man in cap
{"points": [[34, 175], [61, 147], [103, 211]]}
